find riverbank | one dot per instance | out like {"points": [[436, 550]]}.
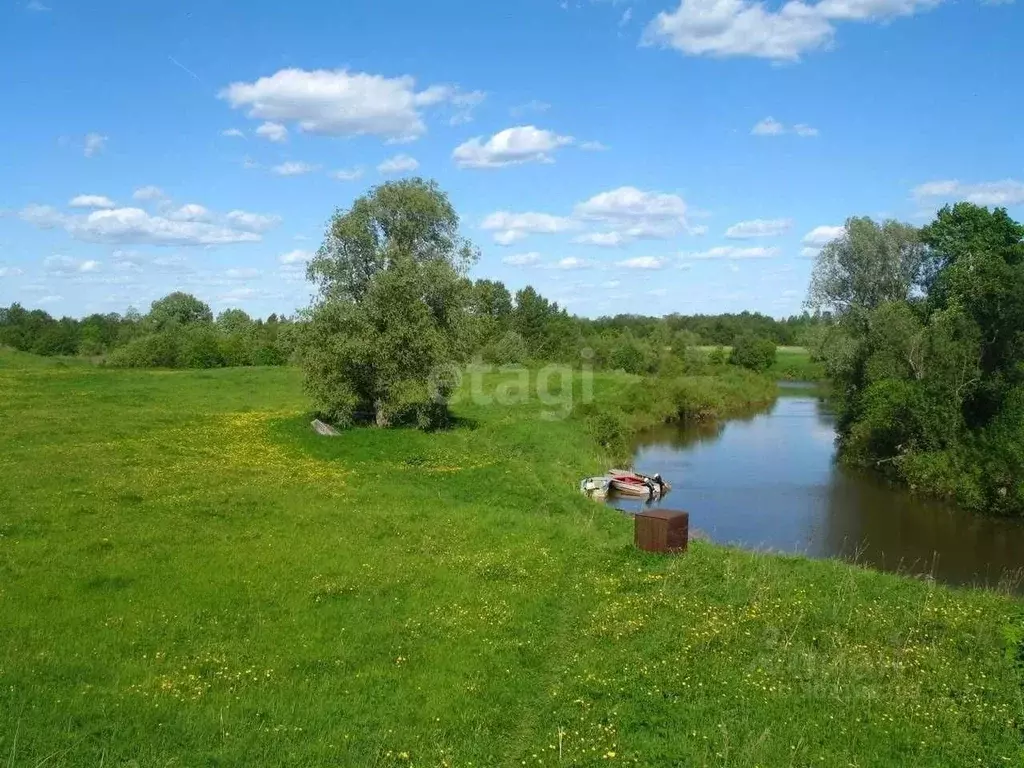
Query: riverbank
{"points": [[207, 581]]}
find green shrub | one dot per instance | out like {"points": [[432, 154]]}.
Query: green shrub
{"points": [[753, 352]]}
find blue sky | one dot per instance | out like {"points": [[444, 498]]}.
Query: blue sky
{"points": [[651, 157]]}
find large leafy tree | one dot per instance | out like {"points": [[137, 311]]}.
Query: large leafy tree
{"points": [[177, 309], [868, 265], [929, 351], [389, 322]]}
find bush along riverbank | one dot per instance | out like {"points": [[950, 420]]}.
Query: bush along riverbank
{"points": [[628, 405]]}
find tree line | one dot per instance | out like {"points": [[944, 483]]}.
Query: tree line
{"points": [[927, 351]]}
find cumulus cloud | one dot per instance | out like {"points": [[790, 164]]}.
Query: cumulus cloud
{"points": [[512, 146], [522, 259], [94, 144], [603, 239], [1003, 193], [293, 168], [11, 271], [634, 213], [273, 132], [343, 103], [92, 201], [571, 262], [347, 174], [642, 262], [822, 235], [772, 127], [189, 225], [726, 28], [509, 228], [398, 164], [189, 212], [758, 228], [732, 252]]}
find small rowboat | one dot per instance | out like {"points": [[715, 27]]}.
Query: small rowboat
{"points": [[595, 486], [629, 483]]}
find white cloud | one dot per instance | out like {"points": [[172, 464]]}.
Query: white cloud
{"points": [[512, 146], [253, 222], [295, 258], [700, 229], [512, 227], [134, 225], [627, 15], [635, 213], [92, 201], [1007, 192], [42, 216], [233, 133], [593, 146], [642, 262], [772, 127], [768, 127], [347, 174], [809, 252], [529, 107], [148, 193], [273, 132], [189, 212], [758, 228], [11, 271], [293, 168], [59, 265], [398, 164], [732, 252], [571, 262], [724, 28], [822, 235], [37, 6], [342, 103], [603, 239], [522, 259], [94, 143]]}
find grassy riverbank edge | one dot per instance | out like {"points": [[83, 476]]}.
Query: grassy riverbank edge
{"points": [[190, 575]]}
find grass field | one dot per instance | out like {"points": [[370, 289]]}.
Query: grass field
{"points": [[190, 577], [791, 363]]}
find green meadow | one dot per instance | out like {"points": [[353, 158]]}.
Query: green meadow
{"points": [[189, 576]]}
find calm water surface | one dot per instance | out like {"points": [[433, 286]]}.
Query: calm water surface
{"points": [[769, 481]]}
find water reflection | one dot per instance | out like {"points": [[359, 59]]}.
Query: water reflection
{"points": [[767, 480]]}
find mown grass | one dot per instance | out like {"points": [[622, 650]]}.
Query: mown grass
{"points": [[189, 576]]}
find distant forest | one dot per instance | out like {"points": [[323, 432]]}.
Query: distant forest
{"points": [[180, 331]]}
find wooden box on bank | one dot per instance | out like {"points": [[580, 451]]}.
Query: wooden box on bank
{"points": [[662, 530]]}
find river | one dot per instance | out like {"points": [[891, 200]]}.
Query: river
{"points": [[768, 480]]}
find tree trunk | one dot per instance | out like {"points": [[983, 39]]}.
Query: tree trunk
{"points": [[379, 415]]}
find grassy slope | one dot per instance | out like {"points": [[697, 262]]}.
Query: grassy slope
{"points": [[188, 576]]}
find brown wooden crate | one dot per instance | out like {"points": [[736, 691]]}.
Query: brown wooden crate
{"points": [[662, 530]]}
